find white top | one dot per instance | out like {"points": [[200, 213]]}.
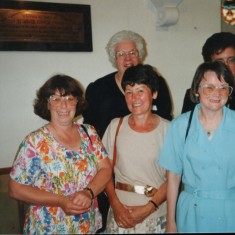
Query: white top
{"points": [[137, 154]]}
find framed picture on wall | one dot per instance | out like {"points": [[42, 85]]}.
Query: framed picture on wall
{"points": [[44, 26], [228, 16]]}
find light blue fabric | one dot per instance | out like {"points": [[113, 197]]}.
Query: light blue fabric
{"points": [[207, 165]]}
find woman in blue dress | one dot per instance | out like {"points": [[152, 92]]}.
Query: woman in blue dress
{"points": [[205, 158]]}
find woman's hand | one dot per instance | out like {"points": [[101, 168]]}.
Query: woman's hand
{"points": [[122, 216], [171, 227], [77, 203], [82, 198], [140, 213]]}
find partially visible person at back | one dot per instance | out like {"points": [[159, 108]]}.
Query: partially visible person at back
{"points": [[203, 156], [218, 47], [138, 197], [105, 96], [60, 168]]}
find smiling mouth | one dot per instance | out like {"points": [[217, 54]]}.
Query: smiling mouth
{"points": [[215, 100], [136, 104], [128, 65], [62, 113]]}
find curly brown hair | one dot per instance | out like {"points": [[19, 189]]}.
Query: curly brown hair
{"points": [[66, 85]]}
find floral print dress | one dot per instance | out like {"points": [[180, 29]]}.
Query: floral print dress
{"points": [[44, 163]]}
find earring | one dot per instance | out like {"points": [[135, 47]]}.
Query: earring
{"points": [[196, 94]]}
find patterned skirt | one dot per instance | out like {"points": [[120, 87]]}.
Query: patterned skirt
{"points": [[152, 225]]}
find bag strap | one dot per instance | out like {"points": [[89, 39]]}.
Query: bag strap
{"points": [[84, 128], [189, 123], [115, 140]]}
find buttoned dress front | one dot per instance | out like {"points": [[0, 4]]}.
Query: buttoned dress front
{"points": [[207, 203]]}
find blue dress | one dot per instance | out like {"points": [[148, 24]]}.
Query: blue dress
{"points": [[207, 203]]}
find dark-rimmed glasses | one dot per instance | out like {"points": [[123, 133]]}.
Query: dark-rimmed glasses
{"points": [[230, 61]]}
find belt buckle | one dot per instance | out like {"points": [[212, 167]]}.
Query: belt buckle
{"points": [[148, 190]]}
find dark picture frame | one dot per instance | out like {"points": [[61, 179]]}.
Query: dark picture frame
{"points": [[44, 26]]}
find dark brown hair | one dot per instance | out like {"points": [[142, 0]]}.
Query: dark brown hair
{"points": [[66, 86], [221, 71]]}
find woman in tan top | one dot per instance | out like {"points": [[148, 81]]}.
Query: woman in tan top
{"points": [[138, 198]]}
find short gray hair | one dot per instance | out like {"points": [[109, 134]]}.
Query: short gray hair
{"points": [[126, 35]]}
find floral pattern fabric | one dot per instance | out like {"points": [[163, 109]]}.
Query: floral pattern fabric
{"points": [[148, 226], [44, 163]]}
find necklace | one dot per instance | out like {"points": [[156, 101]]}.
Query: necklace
{"points": [[208, 133], [209, 123]]}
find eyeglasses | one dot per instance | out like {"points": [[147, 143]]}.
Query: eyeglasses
{"points": [[228, 61], [123, 54], [57, 100], [224, 90]]}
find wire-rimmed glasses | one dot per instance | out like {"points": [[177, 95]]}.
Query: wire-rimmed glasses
{"points": [[209, 89]]}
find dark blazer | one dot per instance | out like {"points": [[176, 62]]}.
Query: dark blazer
{"points": [[106, 101]]}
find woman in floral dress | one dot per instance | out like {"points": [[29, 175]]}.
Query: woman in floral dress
{"points": [[60, 168]]}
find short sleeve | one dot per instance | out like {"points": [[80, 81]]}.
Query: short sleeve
{"points": [[27, 164], [97, 145], [171, 154], [109, 137]]}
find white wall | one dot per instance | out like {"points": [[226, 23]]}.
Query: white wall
{"points": [[176, 53]]}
